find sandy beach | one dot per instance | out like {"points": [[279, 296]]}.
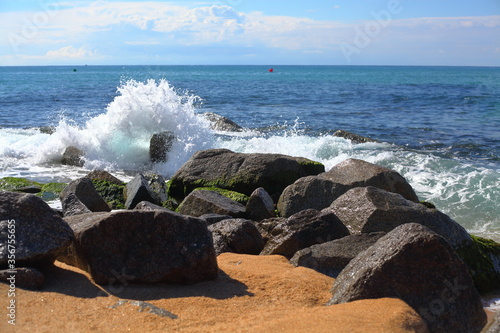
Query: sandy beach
{"points": [[251, 294]]}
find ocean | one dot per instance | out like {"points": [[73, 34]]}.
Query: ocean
{"points": [[438, 126]]}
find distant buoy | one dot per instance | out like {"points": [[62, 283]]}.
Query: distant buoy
{"points": [[74, 69], [271, 70]]}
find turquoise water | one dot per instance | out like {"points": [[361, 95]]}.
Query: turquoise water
{"points": [[440, 125]]}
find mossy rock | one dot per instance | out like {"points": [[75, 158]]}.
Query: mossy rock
{"points": [[49, 191], [111, 193], [235, 196], [482, 258]]}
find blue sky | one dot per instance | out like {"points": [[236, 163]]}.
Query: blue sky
{"points": [[271, 32]]}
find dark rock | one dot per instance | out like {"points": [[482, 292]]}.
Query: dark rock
{"points": [[85, 192], [138, 190], [332, 257], [220, 123], [30, 189], [47, 130], [73, 156], [370, 209], [142, 246], [355, 138], [40, 233], [237, 236], [318, 192], [159, 146], [102, 175], [202, 202], [260, 205], [239, 172], [23, 277], [302, 230], [214, 218], [71, 205], [416, 265], [159, 186], [148, 206]]}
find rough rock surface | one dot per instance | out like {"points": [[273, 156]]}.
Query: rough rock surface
{"points": [[220, 123], [71, 205], [302, 230], [142, 246], [73, 156], [370, 209], [148, 206], [138, 190], [237, 236], [84, 190], [23, 277], [355, 138], [103, 175], [332, 257], [202, 202], [420, 267], [214, 218], [239, 172], [40, 233], [260, 205], [159, 146]]}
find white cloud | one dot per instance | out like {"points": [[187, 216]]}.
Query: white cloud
{"points": [[71, 52]]}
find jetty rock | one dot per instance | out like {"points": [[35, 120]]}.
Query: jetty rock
{"points": [[220, 123], [420, 267], [40, 234], [73, 156], [160, 145], [138, 190], [80, 194], [237, 236], [240, 172], [354, 138], [260, 205], [142, 246], [201, 202], [320, 191]]}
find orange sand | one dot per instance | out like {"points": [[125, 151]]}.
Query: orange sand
{"points": [[251, 294]]}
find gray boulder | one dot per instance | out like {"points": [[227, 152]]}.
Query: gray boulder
{"points": [[148, 206], [214, 218], [23, 277], [370, 209], [260, 205], [40, 234], [102, 175], [220, 123], [84, 193], [158, 185], [354, 138], [302, 230], [416, 265], [159, 146], [142, 246], [240, 172], [332, 257], [237, 236], [202, 202], [138, 190], [73, 156], [71, 205]]}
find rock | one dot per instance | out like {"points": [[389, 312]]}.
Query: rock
{"points": [[138, 190], [220, 123], [40, 233], [202, 202], [332, 257], [71, 205], [302, 230], [318, 192], [355, 138], [73, 156], [237, 236], [214, 218], [159, 146], [239, 172], [142, 246], [420, 267], [159, 186], [23, 277], [260, 205], [148, 206], [111, 191], [370, 209], [85, 193], [495, 325], [47, 130], [101, 175]]}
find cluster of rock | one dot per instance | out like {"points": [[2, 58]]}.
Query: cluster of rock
{"points": [[358, 222]]}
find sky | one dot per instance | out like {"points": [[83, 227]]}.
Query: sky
{"points": [[250, 32]]}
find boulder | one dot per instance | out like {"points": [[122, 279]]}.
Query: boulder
{"points": [[71, 205], [23, 277], [159, 146], [138, 190], [332, 257], [214, 218], [84, 193], [420, 267], [73, 156], [237, 236], [302, 230], [240, 172], [370, 209], [142, 246], [158, 185], [101, 175], [148, 206], [40, 234], [220, 123], [318, 192], [260, 205], [354, 138], [202, 202]]}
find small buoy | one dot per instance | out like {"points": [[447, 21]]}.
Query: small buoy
{"points": [[271, 70], [74, 69]]}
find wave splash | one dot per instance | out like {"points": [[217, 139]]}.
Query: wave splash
{"points": [[119, 138]]}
